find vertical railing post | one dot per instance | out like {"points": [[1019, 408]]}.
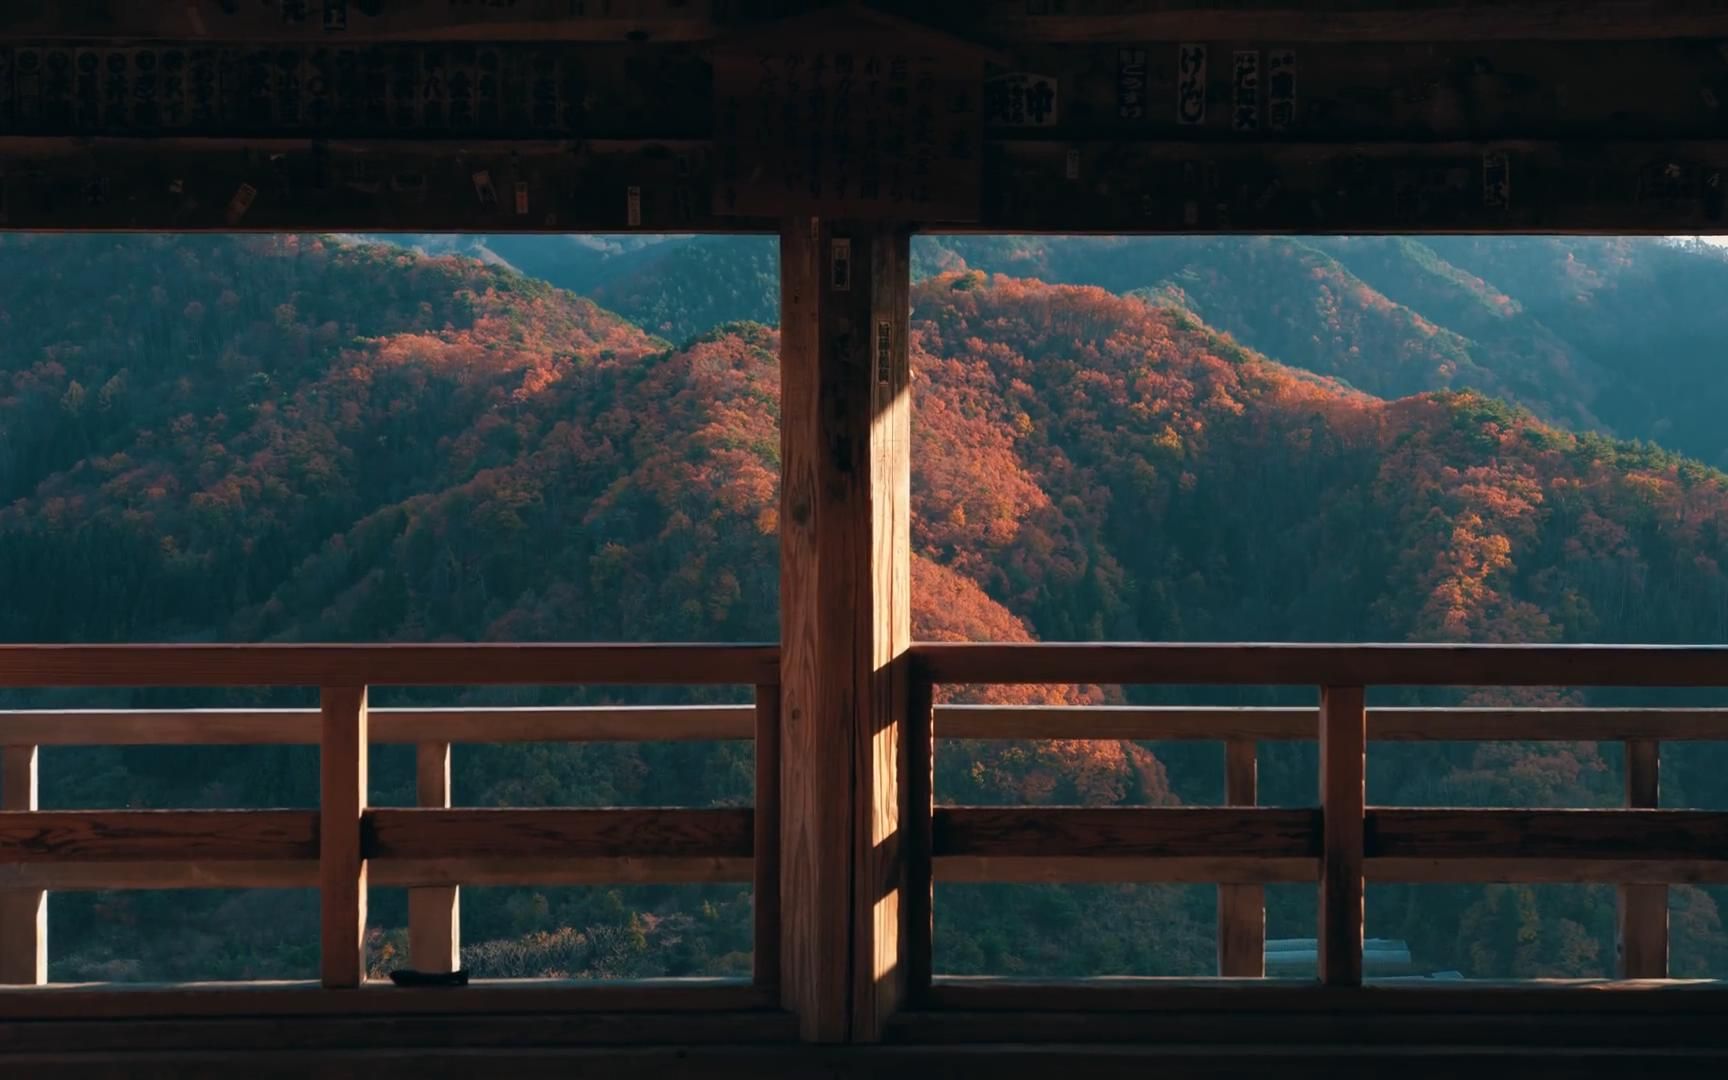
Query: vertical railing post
{"points": [[1241, 908], [765, 948], [916, 825], [342, 754], [434, 911], [1343, 752], [23, 912], [1644, 907]]}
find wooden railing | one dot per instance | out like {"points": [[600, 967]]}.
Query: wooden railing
{"points": [[434, 848], [346, 845], [1343, 843]]}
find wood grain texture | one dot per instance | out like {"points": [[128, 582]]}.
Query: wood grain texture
{"points": [[383, 665], [882, 810], [1642, 916], [1631, 836], [306, 999], [91, 836], [1527, 870], [1338, 665], [765, 876], [500, 834], [23, 908], [815, 744], [1205, 832], [1105, 869], [302, 873], [845, 621], [342, 881], [1376, 21], [300, 727], [1245, 997], [1343, 759], [919, 852], [1384, 725], [1241, 908], [434, 911]]}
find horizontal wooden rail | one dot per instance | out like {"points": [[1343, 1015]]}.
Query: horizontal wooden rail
{"points": [[1264, 845], [1168, 844], [157, 835], [299, 727], [1312, 665], [554, 834], [1152, 722], [170, 849], [487, 664]]}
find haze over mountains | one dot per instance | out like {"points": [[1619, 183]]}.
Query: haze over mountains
{"points": [[1350, 439]]}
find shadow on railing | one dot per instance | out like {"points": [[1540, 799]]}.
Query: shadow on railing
{"points": [[345, 845]]}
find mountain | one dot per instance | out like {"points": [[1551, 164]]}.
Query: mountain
{"points": [[1619, 335], [304, 439]]}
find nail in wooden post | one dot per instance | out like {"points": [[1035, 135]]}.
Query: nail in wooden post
{"points": [[434, 911], [765, 948], [1343, 745], [23, 912], [341, 861], [1241, 908], [1643, 908]]}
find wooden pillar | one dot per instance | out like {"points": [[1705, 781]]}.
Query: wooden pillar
{"points": [[1643, 944], [434, 911], [844, 622], [341, 861], [1343, 746], [1241, 908], [23, 912]]}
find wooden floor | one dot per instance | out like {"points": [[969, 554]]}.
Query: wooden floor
{"points": [[1210, 1043]]}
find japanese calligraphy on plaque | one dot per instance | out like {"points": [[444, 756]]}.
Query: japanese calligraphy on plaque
{"points": [[1131, 83], [1190, 84], [1020, 100], [1245, 92], [865, 130], [1281, 90]]}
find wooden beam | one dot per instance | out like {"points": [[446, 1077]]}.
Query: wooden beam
{"points": [[342, 884], [91, 836], [920, 908], [1245, 998], [446, 871], [1376, 21], [1630, 836], [1124, 832], [1241, 908], [1106, 869], [845, 623], [1643, 909], [765, 875], [1343, 754], [384, 665], [394, 833], [300, 1000], [338, 24], [1546, 870], [1338, 665], [23, 910], [1147, 722], [434, 911], [300, 727]]}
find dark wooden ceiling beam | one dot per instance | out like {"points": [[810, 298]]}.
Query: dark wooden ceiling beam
{"points": [[1380, 21]]}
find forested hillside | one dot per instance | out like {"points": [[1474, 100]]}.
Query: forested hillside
{"points": [[311, 439]]}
